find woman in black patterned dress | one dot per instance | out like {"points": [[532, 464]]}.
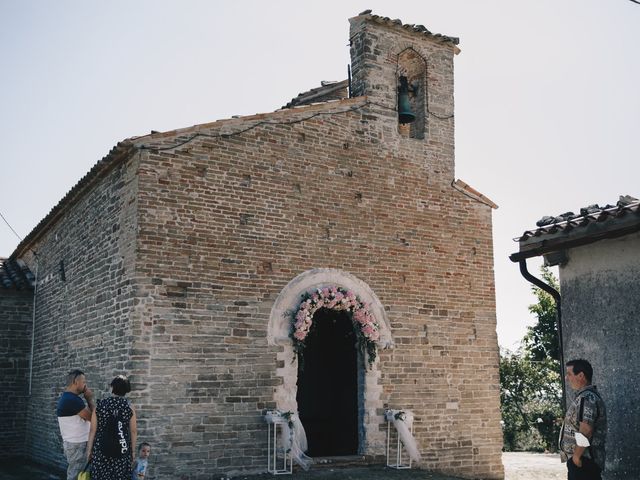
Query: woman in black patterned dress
{"points": [[103, 466]]}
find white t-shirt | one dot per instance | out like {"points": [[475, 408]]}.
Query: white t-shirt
{"points": [[73, 427]]}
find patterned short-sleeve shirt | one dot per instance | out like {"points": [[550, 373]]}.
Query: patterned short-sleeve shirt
{"points": [[587, 407]]}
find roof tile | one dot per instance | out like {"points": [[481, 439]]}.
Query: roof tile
{"points": [[15, 275], [588, 215]]}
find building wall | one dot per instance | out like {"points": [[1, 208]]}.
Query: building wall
{"points": [[15, 347], [82, 315], [241, 207], [174, 260], [600, 311]]}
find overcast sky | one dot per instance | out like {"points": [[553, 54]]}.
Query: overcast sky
{"points": [[547, 95]]}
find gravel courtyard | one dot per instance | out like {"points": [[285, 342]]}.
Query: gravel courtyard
{"points": [[533, 466], [518, 466]]}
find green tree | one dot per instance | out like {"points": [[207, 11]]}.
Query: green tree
{"points": [[541, 340], [531, 389]]}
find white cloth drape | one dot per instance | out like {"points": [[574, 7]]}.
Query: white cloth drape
{"points": [[403, 420], [293, 438]]}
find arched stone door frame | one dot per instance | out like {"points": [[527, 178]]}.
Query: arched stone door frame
{"points": [[371, 438]]}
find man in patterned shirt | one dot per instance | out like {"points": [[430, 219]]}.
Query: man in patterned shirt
{"points": [[584, 430]]}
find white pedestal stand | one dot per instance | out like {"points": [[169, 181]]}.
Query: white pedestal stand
{"points": [[399, 465], [273, 459]]}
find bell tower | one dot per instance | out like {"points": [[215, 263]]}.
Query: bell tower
{"points": [[406, 72]]}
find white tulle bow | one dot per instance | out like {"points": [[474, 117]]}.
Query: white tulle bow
{"points": [[293, 436], [403, 420]]}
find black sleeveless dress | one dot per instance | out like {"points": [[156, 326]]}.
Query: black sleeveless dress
{"points": [[103, 467]]}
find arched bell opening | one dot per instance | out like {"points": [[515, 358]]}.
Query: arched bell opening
{"points": [[412, 94]]}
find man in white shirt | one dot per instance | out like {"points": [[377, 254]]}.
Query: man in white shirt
{"points": [[74, 419]]}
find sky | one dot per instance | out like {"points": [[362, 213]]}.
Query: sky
{"points": [[547, 95]]}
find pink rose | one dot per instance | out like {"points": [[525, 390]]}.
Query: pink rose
{"points": [[300, 335], [360, 316]]}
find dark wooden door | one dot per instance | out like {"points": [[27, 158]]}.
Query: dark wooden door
{"points": [[328, 386]]}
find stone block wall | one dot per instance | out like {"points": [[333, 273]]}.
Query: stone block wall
{"points": [[84, 296], [174, 258], [15, 348], [378, 51], [228, 218]]}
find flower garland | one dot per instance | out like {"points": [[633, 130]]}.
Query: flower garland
{"points": [[335, 298]]}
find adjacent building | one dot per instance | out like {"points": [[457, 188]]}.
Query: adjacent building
{"points": [[598, 254]]}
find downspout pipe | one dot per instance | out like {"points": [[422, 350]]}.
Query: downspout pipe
{"points": [[556, 296], [33, 323]]}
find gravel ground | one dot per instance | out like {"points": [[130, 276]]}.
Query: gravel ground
{"points": [[533, 466], [517, 466]]}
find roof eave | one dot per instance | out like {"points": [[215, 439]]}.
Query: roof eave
{"points": [[415, 29], [116, 155], [562, 240], [471, 192]]}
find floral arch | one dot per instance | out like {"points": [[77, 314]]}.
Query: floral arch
{"points": [[335, 298], [288, 303]]}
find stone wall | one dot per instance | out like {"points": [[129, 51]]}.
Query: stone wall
{"points": [[378, 51], [600, 310], [230, 216], [15, 347], [84, 296], [174, 259]]}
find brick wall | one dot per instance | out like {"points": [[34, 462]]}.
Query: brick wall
{"points": [[174, 259], [15, 347], [227, 222], [82, 316]]}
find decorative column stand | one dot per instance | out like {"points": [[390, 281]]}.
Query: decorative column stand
{"points": [[274, 419], [399, 465]]}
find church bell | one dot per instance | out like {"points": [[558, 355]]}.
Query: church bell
{"points": [[405, 115]]}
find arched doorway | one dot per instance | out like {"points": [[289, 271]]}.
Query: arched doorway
{"points": [[371, 438], [328, 385]]}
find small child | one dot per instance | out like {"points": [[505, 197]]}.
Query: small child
{"points": [[140, 465]]}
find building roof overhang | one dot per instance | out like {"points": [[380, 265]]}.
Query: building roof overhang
{"points": [[555, 238], [15, 275], [416, 29]]}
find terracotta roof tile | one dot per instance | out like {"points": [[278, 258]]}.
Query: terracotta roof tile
{"points": [[15, 275], [593, 213], [407, 26], [327, 91], [570, 230]]}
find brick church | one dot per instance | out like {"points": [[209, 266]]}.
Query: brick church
{"points": [[181, 258]]}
